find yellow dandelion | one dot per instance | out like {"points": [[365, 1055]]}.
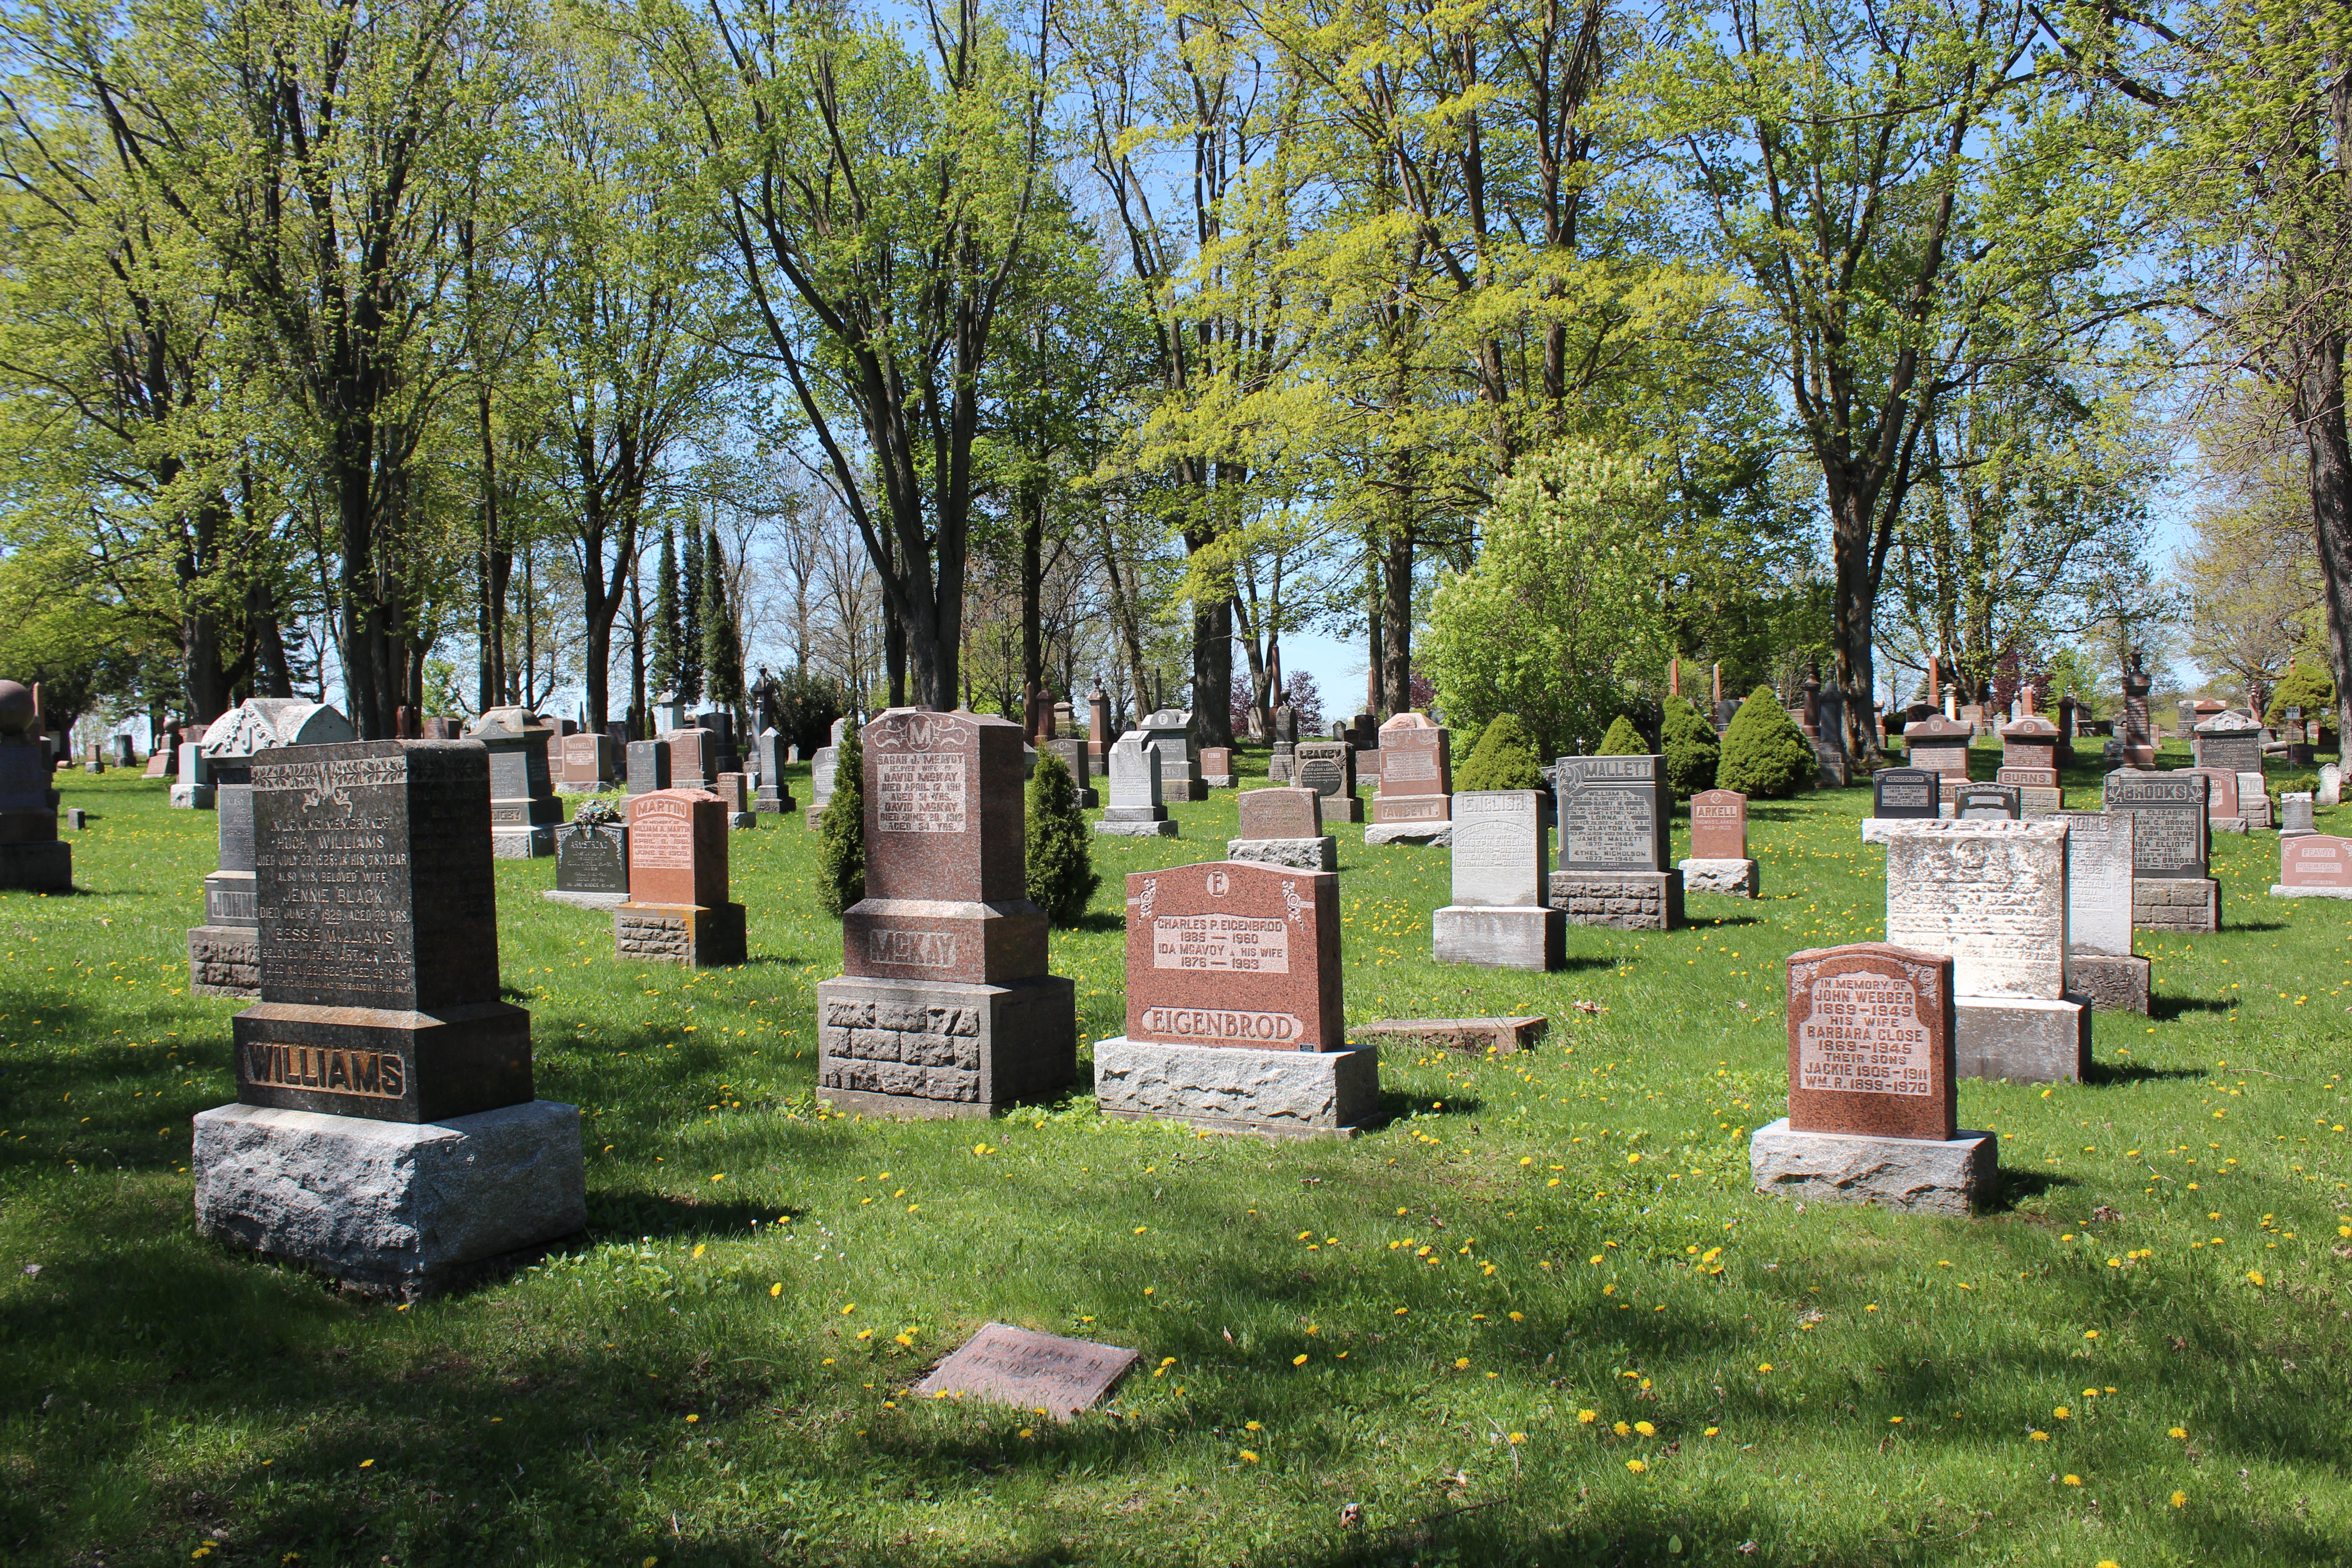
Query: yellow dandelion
{"points": [[1766, 1366], [2060, 1413], [1621, 1429], [1248, 1458], [1645, 1429], [1588, 1417], [777, 1289], [1252, 1426], [1298, 1360], [1636, 1466], [2178, 1432], [1712, 1431], [2073, 1481], [2180, 1500]]}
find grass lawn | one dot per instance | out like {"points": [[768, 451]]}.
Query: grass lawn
{"points": [[1538, 1318]]}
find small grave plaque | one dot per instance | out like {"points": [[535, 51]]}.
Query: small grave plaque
{"points": [[1987, 802], [1718, 825], [1869, 1042], [1905, 793], [1234, 952], [1281, 814], [1029, 1369]]}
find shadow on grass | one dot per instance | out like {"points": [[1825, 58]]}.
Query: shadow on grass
{"points": [[2162, 1009], [2256, 925], [618, 1212], [1401, 1107], [1100, 921], [1723, 920], [2018, 1185], [2132, 1072]]}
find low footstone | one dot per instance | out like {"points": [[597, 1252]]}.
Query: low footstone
{"points": [[1435, 835], [1234, 1089], [2023, 1039], [2108, 981], [1496, 1035], [1028, 1370], [1148, 829], [1529, 937], [1735, 878], [1916, 1176], [1307, 853]]}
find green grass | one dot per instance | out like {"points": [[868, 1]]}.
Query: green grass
{"points": [[1530, 1238]]}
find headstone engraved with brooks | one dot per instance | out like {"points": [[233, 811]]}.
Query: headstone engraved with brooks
{"points": [[1872, 1111], [775, 796], [1168, 732], [2314, 866], [1329, 768], [224, 952], [944, 1007], [385, 1131], [1416, 765], [1042, 1373], [524, 811], [587, 765], [678, 911], [1284, 827], [1135, 808], [592, 859], [1614, 818], [2172, 885], [2100, 965], [1498, 917], [1993, 896], [31, 856], [1720, 862], [1233, 1016]]}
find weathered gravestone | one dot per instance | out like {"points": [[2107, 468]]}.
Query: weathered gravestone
{"points": [[821, 770], [1872, 1098], [224, 952], [734, 789], [1905, 793], [1034, 1372], [945, 1007], [1416, 769], [2295, 817], [2231, 741], [1098, 731], [2331, 784], [194, 790], [1720, 862], [1284, 827], [1217, 767], [2139, 732], [1329, 768], [2029, 762], [2254, 802], [523, 808], [2100, 965], [2222, 814], [648, 767], [1495, 1037], [1074, 757], [1993, 896], [1940, 745], [1987, 802], [385, 1131], [31, 855], [678, 911], [693, 757], [775, 796], [1167, 733], [587, 765], [2173, 887], [1498, 917], [1233, 1016], [2314, 866], [1614, 814], [592, 859], [1134, 810], [123, 755]]}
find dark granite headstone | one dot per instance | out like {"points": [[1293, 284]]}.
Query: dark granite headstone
{"points": [[1991, 802], [648, 766], [2232, 742], [1905, 792], [591, 854], [1614, 812], [2170, 838]]}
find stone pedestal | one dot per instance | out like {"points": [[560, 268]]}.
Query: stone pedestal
{"points": [[1734, 878], [1630, 900], [2176, 903], [395, 1209], [1437, 834], [2023, 1039], [382, 1063], [2281, 890], [1916, 1176], [942, 1048], [224, 960], [1232, 1088], [1499, 937], [584, 901], [693, 936], [193, 797], [40, 867], [1136, 822], [1307, 853], [2111, 983]]}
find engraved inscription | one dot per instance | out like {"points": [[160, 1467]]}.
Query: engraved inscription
{"points": [[1233, 942], [1994, 903], [1610, 826], [378, 1075], [1401, 765], [1864, 1035], [914, 949], [920, 794], [1216, 1023], [662, 840]]}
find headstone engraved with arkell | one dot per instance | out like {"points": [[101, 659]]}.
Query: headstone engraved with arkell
{"points": [[385, 1131], [1872, 1102], [1614, 818], [944, 1007], [224, 952], [1720, 862]]}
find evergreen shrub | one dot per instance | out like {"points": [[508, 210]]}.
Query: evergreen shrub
{"points": [[1623, 741], [1692, 748], [1060, 847], [841, 840], [1765, 755], [1503, 758]]}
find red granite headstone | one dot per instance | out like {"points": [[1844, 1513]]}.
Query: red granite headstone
{"points": [[2220, 792], [1281, 814], [1216, 762], [693, 757], [677, 848], [1869, 1042], [1234, 952], [585, 759], [1416, 772], [1940, 744], [1031, 1370], [2316, 860], [1718, 825], [733, 789]]}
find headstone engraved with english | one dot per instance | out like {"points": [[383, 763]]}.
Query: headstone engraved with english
{"points": [[592, 859], [1284, 827], [1614, 815], [1416, 771], [1720, 862], [1497, 917], [678, 910], [224, 952], [2100, 965], [385, 1129], [944, 1007]]}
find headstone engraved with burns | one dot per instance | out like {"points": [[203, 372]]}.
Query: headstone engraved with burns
{"points": [[1233, 1016], [523, 808], [1137, 809], [31, 855], [2314, 866], [945, 1007], [224, 952], [1614, 814], [1329, 768], [2029, 762], [1029, 1370], [1872, 1113], [1720, 862], [1416, 766], [385, 1129], [592, 859], [678, 911], [2100, 965], [2172, 885], [1500, 844], [1284, 827]]}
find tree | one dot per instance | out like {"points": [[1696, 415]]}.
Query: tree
{"points": [[1623, 741], [722, 645], [2304, 686], [693, 591], [1692, 748], [1059, 864], [1765, 755], [669, 628], [841, 838]]}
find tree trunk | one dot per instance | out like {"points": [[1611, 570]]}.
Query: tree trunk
{"points": [[2319, 410], [1213, 674], [1854, 615], [1396, 622]]}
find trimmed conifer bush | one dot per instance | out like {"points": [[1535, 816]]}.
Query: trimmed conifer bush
{"points": [[1503, 758], [2306, 686], [1623, 741], [1060, 849], [1765, 755], [841, 841], [1692, 752]]}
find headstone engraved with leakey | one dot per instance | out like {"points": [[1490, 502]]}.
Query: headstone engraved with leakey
{"points": [[385, 1129], [1720, 862], [592, 859], [2100, 965], [1284, 827], [1614, 814], [224, 952], [1872, 1098], [1234, 1014], [945, 1007], [678, 911], [1329, 768], [1497, 917]]}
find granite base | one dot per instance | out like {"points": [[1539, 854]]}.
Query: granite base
{"points": [[774, 806], [224, 960], [1162, 829], [1304, 854], [692, 936], [192, 797], [575, 786], [1733, 879], [523, 843], [1436, 834], [586, 901], [2110, 983], [43, 867], [1630, 900], [2176, 903], [742, 821], [383, 1064], [2022, 1039], [404, 1210], [1227, 1088], [940, 1048], [1217, 781], [1914, 1176], [1499, 937], [2281, 890]]}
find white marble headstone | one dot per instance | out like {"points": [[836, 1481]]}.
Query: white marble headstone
{"points": [[1991, 894], [2099, 848], [1134, 773], [1499, 848]]}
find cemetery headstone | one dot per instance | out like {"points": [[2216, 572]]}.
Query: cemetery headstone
{"points": [[2295, 816], [2029, 762], [2230, 741], [1720, 862], [31, 855], [194, 792], [385, 1131], [1329, 768], [587, 767], [944, 1007], [1217, 767], [93, 758], [224, 952], [1416, 769], [1498, 916], [678, 911], [1074, 756], [1873, 1100], [523, 808], [1987, 802], [1029, 1370], [2173, 887], [1614, 814], [2331, 784], [1282, 826], [1905, 793], [2221, 799], [1098, 731], [2101, 848], [693, 757], [123, 755], [821, 770], [775, 796], [2314, 866], [1234, 1015], [1168, 733], [592, 859], [648, 767], [1136, 780], [734, 790], [2254, 802], [1940, 745]]}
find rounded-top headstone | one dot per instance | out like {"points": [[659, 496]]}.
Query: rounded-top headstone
{"points": [[15, 708]]}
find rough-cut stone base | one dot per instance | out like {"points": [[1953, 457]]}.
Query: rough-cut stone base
{"points": [[2176, 903], [574, 786], [192, 797], [742, 821], [2226, 824], [1231, 1089], [1733, 879], [395, 1209], [902, 1048], [2022, 1039], [1436, 834], [774, 805], [224, 960], [694, 936], [1497, 1034], [2281, 890], [45, 868], [1630, 900], [1916, 1176], [1306, 854], [586, 901], [1160, 829], [523, 843], [2109, 982], [1499, 938], [1218, 781], [2036, 800]]}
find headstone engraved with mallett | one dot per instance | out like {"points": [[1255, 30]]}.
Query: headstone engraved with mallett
{"points": [[1234, 1015], [1284, 827], [1497, 918], [1720, 862], [523, 807], [592, 859], [224, 952], [31, 855], [1416, 771], [1028, 1370], [944, 1007], [2172, 885], [1614, 814], [2100, 965], [1872, 1113], [386, 1130], [678, 911]]}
